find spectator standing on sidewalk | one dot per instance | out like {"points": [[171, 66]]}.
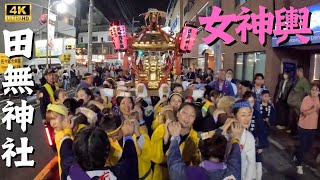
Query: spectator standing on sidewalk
{"points": [[36, 78], [296, 95], [73, 76], [267, 110], [282, 106], [221, 84], [308, 124], [65, 77], [229, 77], [258, 86]]}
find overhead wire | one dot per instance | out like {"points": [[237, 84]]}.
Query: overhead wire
{"points": [[126, 8], [100, 13], [123, 13], [114, 8]]}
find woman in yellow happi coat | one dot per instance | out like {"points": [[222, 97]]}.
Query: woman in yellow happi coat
{"points": [[157, 114], [174, 102], [188, 146], [60, 120], [112, 125]]}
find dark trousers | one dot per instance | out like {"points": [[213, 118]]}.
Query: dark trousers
{"points": [[306, 137], [293, 120], [73, 81], [259, 156], [282, 109]]}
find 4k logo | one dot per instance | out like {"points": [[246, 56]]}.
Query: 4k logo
{"points": [[18, 12]]}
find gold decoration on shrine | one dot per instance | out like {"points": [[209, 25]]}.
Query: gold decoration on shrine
{"points": [[154, 67]]}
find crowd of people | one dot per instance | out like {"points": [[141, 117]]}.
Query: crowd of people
{"points": [[200, 127]]}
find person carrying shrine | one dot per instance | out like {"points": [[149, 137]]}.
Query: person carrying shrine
{"points": [[160, 142]]}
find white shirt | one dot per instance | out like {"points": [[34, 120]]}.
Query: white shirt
{"points": [[248, 156], [107, 174], [36, 78]]}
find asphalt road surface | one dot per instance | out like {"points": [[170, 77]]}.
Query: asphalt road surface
{"points": [[42, 154], [37, 139], [277, 163]]}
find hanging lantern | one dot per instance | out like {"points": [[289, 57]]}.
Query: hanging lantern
{"points": [[188, 37], [114, 37], [123, 39], [119, 36]]}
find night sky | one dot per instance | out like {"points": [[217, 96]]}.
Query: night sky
{"points": [[114, 9]]}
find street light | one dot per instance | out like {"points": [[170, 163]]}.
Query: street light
{"points": [[69, 1], [61, 8]]}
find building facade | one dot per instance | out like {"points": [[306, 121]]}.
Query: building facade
{"points": [[202, 55], [64, 29], [102, 48], [248, 59]]}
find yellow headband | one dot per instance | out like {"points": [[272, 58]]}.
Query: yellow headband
{"points": [[58, 109], [112, 80], [112, 132], [178, 94]]}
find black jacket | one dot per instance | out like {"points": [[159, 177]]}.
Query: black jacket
{"points": [[286, 91], [45, 100], [126, 168]]}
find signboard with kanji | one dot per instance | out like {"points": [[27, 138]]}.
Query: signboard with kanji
{"points": [[4, 61], [65, 57]]}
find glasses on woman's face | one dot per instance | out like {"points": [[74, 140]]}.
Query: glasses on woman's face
{"points": [[316, 90]]}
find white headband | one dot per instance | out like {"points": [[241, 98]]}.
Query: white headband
{"points": [[124, 94]]}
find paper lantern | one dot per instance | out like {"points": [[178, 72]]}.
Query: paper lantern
{"points": [[123, 39], [119, 37], [43, 19], [188, 37], [114, 37]]}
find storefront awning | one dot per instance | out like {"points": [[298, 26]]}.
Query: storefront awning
{"points": [[314, 26], [81, 45]]}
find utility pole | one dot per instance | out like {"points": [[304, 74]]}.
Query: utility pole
{"points": [[178, 62], [48, 21], [133, 22], [217, 48], [89, 53], [181, 14]]}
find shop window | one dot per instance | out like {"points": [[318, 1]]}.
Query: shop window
{"points": [[248, 64], [94, 38], [70, 22], [209, 10], [188, 6], [240, 2], [315, 65], [239, 66]]}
